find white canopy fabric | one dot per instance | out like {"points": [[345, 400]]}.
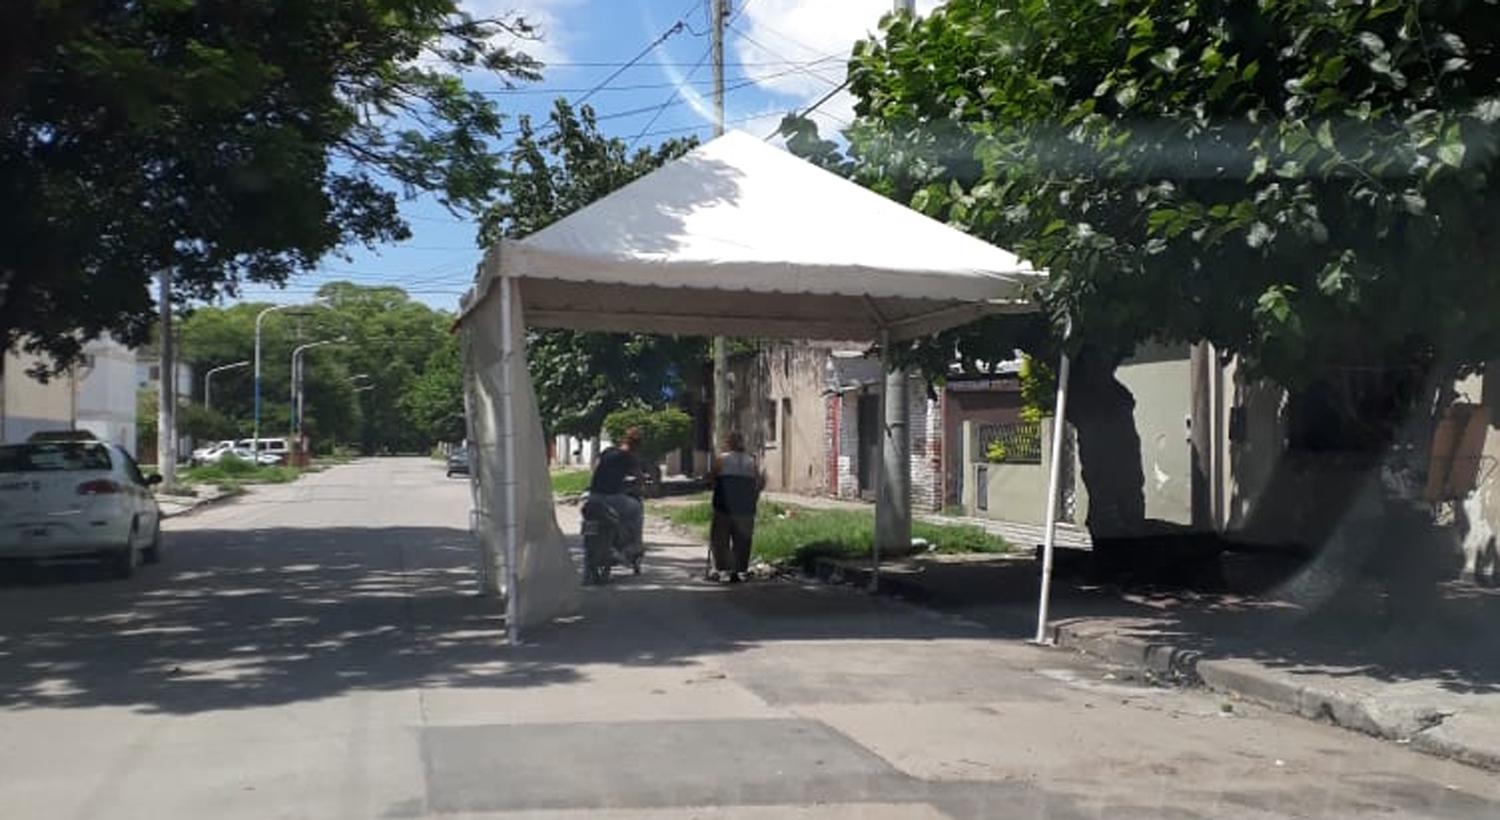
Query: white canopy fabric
{"points": [[737, 238], [714, 243]]}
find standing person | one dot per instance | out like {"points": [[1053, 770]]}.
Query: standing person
{"points": [[738, 482], [615, 465]]}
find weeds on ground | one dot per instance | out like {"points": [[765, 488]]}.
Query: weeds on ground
{"points": [[570, 482], [231, 472], [787, 534]]}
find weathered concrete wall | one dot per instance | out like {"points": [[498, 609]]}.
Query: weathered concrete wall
{"points": [[1160, 378], [1477, 516], [1018, 492], [28, 406], [796, 460], [107, 393]]}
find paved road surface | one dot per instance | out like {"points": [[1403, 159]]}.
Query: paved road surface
{"points": [[315, 651]]}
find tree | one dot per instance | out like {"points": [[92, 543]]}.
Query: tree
{"points": [[434, 403], [1305, 184], [581, 377], [227, 142], [390, 340]]}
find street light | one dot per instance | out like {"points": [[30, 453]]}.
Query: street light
{"points": [[260, 317], [296, 385], [207, 381]]}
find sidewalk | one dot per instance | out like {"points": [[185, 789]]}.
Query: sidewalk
{"points": [[1428, 676], [176, 505]]}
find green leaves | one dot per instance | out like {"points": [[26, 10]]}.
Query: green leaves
{"points": [[1303, 183], [232, 143]]}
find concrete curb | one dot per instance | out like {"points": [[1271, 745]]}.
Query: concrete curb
{"points": [[1424, 727], [1162, 660], [200, 503]]}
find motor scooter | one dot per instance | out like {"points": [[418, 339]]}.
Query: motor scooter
{"points": [[607, 542]]}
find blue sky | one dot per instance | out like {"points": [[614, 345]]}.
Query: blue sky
{"points": [[780, 55]]}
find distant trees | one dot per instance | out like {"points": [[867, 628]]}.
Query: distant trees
{"points": [[401, 349]]}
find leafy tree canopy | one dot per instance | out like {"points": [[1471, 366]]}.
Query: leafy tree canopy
{"points": [[402, 350], [227, 142], [1307, 183]]}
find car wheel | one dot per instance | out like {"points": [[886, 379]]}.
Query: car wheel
{"points": [[152, 553], [123, 564]]}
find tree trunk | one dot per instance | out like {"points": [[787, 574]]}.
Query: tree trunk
{"points": [[1102, 410]]}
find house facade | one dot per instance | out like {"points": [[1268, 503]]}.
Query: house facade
{"points": [[98, 395], [811, 411]]}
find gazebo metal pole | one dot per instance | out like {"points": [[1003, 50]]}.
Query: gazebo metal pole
{"points": [[1054, 481], [882, 513], [508, 436]]}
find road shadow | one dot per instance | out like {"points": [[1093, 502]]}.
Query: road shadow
{"points": [[238, 619], [1271, 608]]}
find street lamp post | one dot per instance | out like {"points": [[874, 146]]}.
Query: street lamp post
{"points": [[259, 318], [208, 381], [296, 391]]}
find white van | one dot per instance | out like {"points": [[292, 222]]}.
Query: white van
{"points": [[272, 446]]}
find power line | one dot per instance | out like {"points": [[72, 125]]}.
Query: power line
{"points": [[673, 64], [811, 109], [675, 98], [671, 100], [783, 35], [521, 92], [652, 46], [774, 53], [676, 92], [687, 128]]}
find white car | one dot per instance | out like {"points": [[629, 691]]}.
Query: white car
{"points": [[202, 454], [273, 446], [265, 459], [68, 500]]}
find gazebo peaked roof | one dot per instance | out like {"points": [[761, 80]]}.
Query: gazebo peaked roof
{"points": [[715, 243]]}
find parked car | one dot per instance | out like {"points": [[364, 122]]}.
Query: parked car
{"points": [[202, 454], [264, 459], [61, 435], [274, 446], [458, 462], [77, 499]]}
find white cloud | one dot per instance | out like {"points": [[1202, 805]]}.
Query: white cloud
{"points": [[804, 31], [552, 41]]}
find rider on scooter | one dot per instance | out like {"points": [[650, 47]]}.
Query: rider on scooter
{"points": [[616, 465]]}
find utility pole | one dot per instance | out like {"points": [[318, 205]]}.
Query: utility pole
{"points": [[893, 487], [166, 419], [720, 11]]}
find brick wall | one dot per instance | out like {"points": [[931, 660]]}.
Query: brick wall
{"points": [[833, 404], [841, 443], [926, 431], [848, 459]]}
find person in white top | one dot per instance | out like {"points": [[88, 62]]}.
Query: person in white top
{"points": [[738, 482]]}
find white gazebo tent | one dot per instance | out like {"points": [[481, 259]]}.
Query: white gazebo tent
{"points": [[737, 238]]}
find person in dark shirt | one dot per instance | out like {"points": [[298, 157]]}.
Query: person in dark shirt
{"points": [[738, 483], [615, 465]]}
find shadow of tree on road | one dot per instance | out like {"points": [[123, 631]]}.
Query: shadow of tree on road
{"points": [[238, 619]]}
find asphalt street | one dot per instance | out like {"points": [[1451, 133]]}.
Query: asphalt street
{"points": [[317, 650]]}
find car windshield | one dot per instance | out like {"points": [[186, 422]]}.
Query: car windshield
{"points": [[53, 457]]}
